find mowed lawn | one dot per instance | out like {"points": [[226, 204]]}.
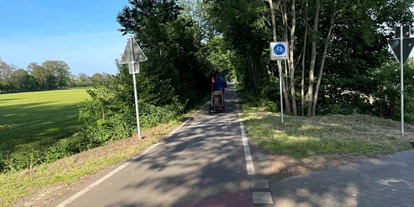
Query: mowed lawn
{"points": [[38, 119], [304, 137]]}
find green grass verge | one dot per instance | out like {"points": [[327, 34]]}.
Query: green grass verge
{"points": [[36, 120], [302, 137], [68, 171], [62, 172]]}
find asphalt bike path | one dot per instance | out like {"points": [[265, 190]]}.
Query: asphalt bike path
{"points": [[205, 162], [381, 182]]}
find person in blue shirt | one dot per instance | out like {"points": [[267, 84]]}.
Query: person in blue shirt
{"points": [[219, 83], [217, 99]]}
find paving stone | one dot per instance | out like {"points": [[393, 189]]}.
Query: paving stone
{"points": [[382, 182], [259, 183], [262, 197]]}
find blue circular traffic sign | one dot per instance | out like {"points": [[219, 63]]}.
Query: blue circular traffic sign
{"points": [[279, 49]]}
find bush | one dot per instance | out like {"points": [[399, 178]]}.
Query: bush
{"points": [[23, 160], [151, 115], [109, 115]]}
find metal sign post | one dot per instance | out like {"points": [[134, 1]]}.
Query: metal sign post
{"points": [[279, 65], [135, 88], [402, 81], [279, 51], [402, 45], [132, 56], [136, 104]]}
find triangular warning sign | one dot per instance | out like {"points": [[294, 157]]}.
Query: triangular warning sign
{"points": [[132, 52], [408, 44]]}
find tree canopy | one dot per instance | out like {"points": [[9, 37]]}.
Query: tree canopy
{"points": [[339, 62], [337, 45]]}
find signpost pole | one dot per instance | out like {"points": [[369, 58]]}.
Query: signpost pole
{"points": [[133, 54], [279, 64], [136, 105], [135, 88], [402, 79], [402, 45], [278, 52]]}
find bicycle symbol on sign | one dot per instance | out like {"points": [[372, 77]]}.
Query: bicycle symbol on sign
{"points": [[279, 49]]}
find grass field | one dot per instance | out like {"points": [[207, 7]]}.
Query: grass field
{"points": [[297, 137], [42, 182], [38, 119], [302, 137]]}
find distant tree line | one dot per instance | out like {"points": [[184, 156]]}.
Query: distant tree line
{"points": [[50, 75], [83, 80]]}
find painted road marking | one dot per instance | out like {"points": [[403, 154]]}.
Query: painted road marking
{"points": [[80, 193], [199, 124], [247, 155], [262, 198], [259, 183]]}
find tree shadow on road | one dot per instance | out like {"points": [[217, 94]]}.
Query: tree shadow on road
{"points": [[387, 181], [200, 165]]}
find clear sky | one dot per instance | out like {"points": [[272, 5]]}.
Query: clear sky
{"points": [[83, 33]]}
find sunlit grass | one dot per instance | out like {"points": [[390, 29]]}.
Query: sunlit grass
{"points": [[38, 119], [302, 137], [68, 171]]}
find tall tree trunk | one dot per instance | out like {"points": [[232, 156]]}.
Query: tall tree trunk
{"points": [[325, 49], [313, 58], [285, 93], [252, 72], [103, 112], [283, 89], [287, 70], [272, 12], [303, 61], [287, 74], [291, 58]]}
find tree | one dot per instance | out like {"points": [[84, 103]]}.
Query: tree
{"points": [[106, 76], [243, 26], [52, 74], [97, 77], [314, 40], [6, 72], [341, 40], [39, 74], [20, 78], [218, 56], [177, 70], [58, 73], [84, 80]]}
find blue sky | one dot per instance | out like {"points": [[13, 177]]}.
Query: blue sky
{"points": [[83, 33]]}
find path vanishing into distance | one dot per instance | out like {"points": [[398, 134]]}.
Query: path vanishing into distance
{"points": [[207, 162], [204, 162]]}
